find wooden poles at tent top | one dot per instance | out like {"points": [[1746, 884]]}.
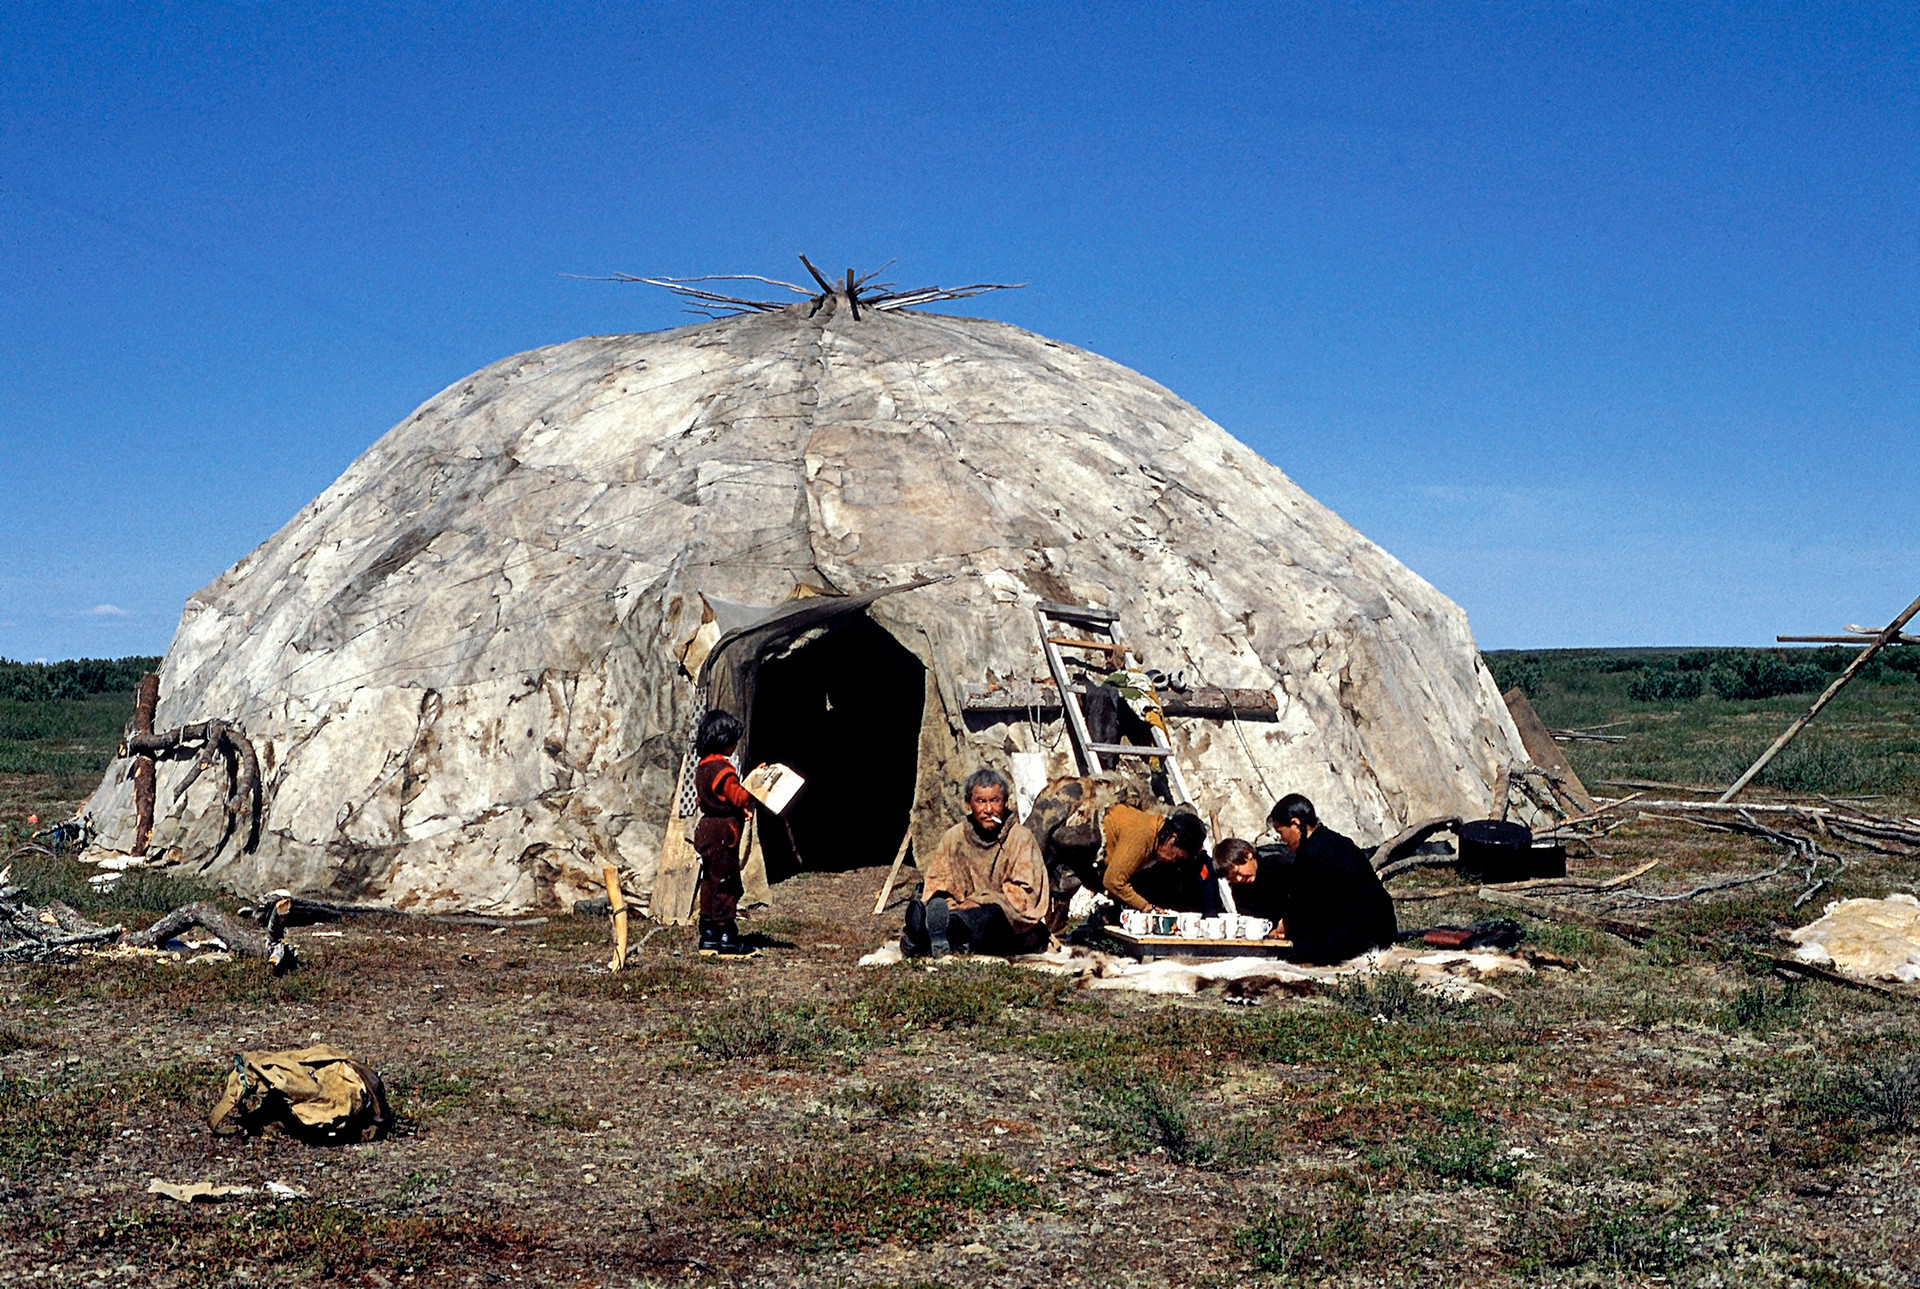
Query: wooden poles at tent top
{"points": [[1888, 635]]}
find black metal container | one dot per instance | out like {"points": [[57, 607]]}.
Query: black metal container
{"points": [[1493, 850]]}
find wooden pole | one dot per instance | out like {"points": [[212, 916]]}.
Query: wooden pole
{"points": [[146, 701], [1887, 634], [617, 905], [899, 857]]}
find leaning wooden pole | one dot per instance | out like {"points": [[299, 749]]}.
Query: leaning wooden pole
{"points": [[617, 906], [145, 703], [1889, 634]]}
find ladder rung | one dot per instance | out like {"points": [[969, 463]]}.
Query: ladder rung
{"points": [[1077, 612], [1101, 646], [1128, 749]]}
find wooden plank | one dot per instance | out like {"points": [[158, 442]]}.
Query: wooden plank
{"points": [[1107, 647], [1076, 612], [1887, 634], [1546, 753], [1147, 948], [1026, 697], [1902, 639]]}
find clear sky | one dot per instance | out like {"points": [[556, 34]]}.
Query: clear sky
{"points": [[1602, 317]]}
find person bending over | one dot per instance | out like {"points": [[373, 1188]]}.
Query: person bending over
{"points": [[984, 888], [1151, 858], [723, 812], [1334, 907], [1242, 884]]}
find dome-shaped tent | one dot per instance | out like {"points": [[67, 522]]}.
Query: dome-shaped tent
{"points": [[469, 666]]}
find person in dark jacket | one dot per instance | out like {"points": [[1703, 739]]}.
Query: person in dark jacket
{"points": [[1334, 907], [1254, 885], [724, 802]]}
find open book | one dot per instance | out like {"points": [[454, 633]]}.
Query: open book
{"points": [[773, 785]]}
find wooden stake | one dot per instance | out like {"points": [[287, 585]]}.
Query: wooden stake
{"points": [[144, 704], [899, 858], [1887, 635], [617, 904]]}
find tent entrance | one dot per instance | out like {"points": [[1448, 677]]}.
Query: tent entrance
{"points": [[843, 708]]}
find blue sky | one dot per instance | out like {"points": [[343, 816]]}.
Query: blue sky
{"points": [[1604, 318]]}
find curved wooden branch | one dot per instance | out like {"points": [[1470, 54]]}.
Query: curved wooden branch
{"points": [[243, 940]]}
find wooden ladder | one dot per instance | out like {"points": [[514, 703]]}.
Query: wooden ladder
{"points": [[1099, 634]]}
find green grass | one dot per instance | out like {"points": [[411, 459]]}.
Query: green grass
{"points": [[1302, 1245], [961, 997], [137, 899], [1867, 741], [1468, 1157], [44, 1122], [769, 1034], [890, 1099], [305, 1241], [836, 1200], [1615, 1238], [71, 739], [1141, 1112]]}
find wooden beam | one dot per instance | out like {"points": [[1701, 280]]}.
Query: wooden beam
{"points": [[1076, 612], [1546, 754], [1109, 647], [1890, 632], [144, 705], [1026, 697], [1902, 639]]}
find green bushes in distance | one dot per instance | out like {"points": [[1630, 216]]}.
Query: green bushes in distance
{"points": [[40, 682], [1662, 685], [1743, 674]]}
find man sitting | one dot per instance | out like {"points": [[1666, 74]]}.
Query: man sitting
{"points": [[984, 888], [1333, 907], [1151, 859]]}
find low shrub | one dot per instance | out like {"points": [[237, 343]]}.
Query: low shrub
{"points": [[1617, 1238], [1470, 1158], [1748, 674], [1880, 1095], [836, 1200], [1762, 1008], [1661, 685], [1296, 1242], [1517, 672], [758, 1030], [1389, 995], [893, 1099], [1140, 1112], [309, 1240], [957, 998]]}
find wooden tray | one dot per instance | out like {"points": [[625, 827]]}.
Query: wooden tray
{"points": [[1147, 948]]}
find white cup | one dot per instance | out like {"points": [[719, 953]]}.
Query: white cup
{"points": [[1189, 925], [1213, 928], [1132, 921], [1254, 928]]}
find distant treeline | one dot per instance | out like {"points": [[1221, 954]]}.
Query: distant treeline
{"points": [[39, 682], [1669, 676]]}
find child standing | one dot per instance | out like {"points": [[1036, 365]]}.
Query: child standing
{"points": [[723, 813]]}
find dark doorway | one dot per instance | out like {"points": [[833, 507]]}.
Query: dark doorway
{"points": [[844, 710]]}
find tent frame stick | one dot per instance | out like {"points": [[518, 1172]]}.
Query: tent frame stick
{"points": [[899, 858], [1887, 635]]}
